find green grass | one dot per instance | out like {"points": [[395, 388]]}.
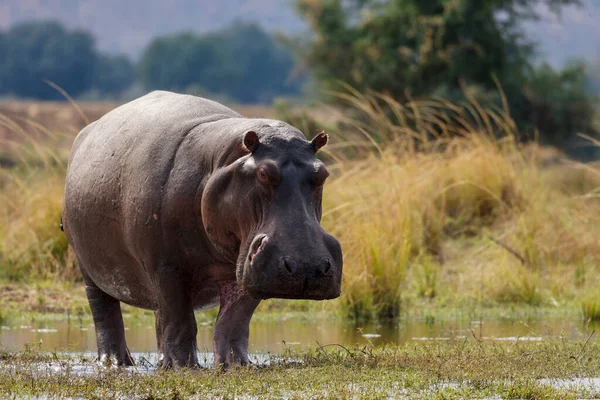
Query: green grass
{"points": [[463, 369], [590, 306]]}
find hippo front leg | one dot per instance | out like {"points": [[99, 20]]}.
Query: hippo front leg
{"points": [[233, 325], [176, 327]]}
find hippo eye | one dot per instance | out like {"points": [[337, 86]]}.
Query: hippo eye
{"points": [[262, 175], [268, 174]]}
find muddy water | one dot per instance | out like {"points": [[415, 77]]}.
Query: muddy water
{"points": [[274, 336]]}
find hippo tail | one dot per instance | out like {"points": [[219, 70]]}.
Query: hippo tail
{"points": [[61, 224]]}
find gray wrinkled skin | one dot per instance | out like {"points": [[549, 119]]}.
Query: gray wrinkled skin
{"points": [[175, 203]]}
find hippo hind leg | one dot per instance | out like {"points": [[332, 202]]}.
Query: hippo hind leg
{"points": [[110, 332]]}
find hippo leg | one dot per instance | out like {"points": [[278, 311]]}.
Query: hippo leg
{"points": [[110, 333], [176, 339], [159, 336], [176, 327], [233, 325]]}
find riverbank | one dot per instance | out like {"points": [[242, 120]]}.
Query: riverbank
{"points": [[553, 369], [56, 300]]}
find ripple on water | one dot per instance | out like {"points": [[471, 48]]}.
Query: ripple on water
{"points": [[515, 338], [371, 335]]}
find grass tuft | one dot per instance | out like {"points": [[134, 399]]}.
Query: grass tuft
{"points": [[590, 306]]}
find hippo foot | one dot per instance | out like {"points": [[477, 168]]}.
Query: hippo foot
{"points": [[116, 360], [166, 363], [234, 361], [176, 339]]}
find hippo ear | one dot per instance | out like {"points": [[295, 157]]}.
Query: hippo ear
{"points": [[251, 141], [319, 141]]}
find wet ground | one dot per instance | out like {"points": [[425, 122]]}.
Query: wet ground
{"points": [[69, 349]]}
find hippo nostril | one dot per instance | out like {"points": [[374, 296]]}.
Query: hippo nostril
{"points": [[289, 264], [324, 266], [257, 246], [327, 266]]}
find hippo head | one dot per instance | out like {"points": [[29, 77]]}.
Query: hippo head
{"points": [[264, 210]]}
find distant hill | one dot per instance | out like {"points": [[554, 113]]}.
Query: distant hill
{"points": [[127, 26]]}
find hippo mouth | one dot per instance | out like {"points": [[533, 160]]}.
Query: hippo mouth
{"points": [[302, 295]]}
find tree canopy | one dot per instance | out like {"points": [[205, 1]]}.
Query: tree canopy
{"points": [[416, 49], [38, 51], [242, 62], [113, 74], [404, 48]]}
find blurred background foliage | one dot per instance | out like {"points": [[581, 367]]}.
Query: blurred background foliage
{"points": [[241, 63], [406, 49], [410, 49]]}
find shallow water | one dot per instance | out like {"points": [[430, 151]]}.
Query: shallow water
{"points": [[275, 335], [84, 363], [75, 341]]}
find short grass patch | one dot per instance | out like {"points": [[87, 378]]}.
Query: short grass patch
{"points": [[459, 369]]}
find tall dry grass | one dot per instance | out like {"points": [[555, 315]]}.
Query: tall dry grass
{"points": [[31, 190], [433, 202], [445, 203]]}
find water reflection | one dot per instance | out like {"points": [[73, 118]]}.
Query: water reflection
{"points": [[274, 336]]}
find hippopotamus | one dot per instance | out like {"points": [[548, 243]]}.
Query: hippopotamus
{"points": [[175, 203]]}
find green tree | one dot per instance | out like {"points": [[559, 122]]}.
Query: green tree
{"points": [[112, 74], [179, 61], [414, 49], [36, 51], [559, 101], [242, 62], [261, 67]]}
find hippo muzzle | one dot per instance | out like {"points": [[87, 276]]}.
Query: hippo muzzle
{"points": [[273, 270]]}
